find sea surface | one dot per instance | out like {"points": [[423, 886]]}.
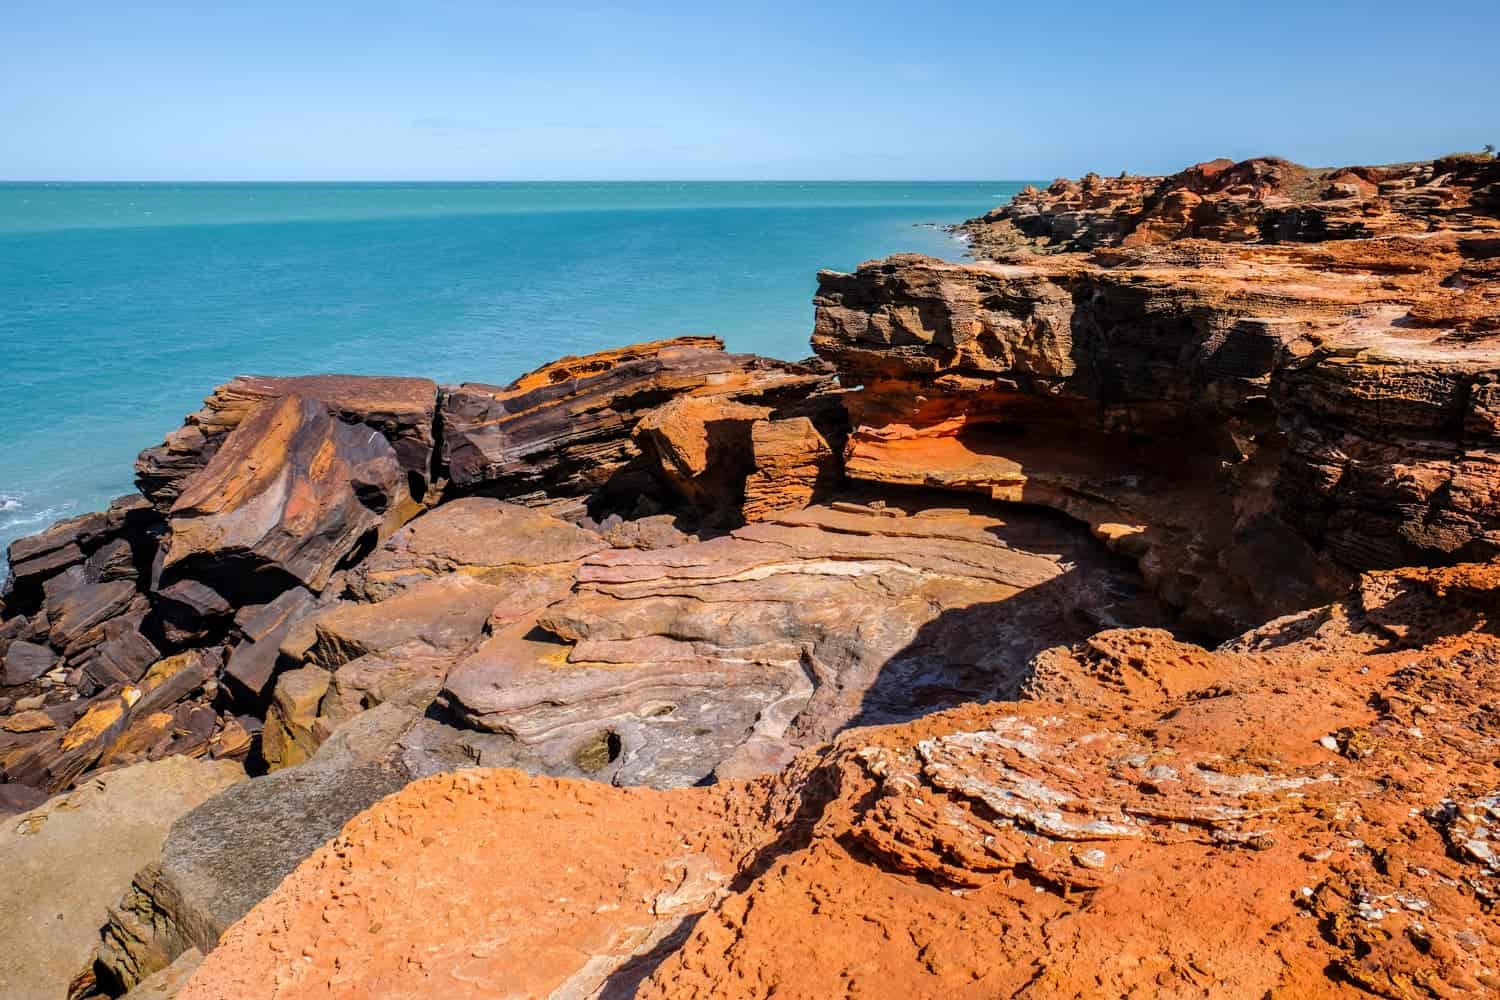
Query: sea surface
{"points": [[123, 305]]}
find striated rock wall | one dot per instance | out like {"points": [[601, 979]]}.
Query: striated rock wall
{"points": [[1215, 410], [234, 594]]}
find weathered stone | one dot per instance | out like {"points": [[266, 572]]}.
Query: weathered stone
{"points": [[167, 983], [288, 738], [192, 612], [492, 542], [97, 547], [401, 409], [792, 465], [701, 447], [565, 429], [66, 861], [443, 614], [26, 661], [289, 495], [667, 663], [114, 560], [123, 654], [223, 857], [28, 722], [1264, 369], [408, 680], [54, 764], [659, 531], [79, 615], [38, 556], [253, 661]]}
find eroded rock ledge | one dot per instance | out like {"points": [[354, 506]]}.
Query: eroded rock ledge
{"points": [[1027, 486], [1253, 421]]}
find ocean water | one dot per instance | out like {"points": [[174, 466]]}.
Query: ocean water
{"points": [[123, 305]]}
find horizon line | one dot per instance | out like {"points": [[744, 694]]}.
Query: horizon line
{"points": [[533, 180]]}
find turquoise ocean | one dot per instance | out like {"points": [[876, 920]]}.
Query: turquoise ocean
{"points": [[123, 305]]}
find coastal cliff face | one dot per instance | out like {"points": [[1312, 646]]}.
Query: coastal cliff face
{"points": [[1254, 421], [1006, 515]]}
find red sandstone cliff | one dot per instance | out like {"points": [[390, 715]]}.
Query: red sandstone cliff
{"points": [[1120, 621]]}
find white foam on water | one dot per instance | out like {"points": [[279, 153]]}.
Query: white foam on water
{"points": [[13, 514]]}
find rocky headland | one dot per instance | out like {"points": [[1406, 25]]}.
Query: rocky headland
{"points": [[1111, 615]]}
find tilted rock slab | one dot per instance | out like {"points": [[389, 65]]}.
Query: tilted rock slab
{"points": [[401, 409], [289, 494], [565, 429]]}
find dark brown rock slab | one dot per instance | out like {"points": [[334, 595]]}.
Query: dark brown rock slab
{"points": [[26, 661], [565, 429], [286, 499], [254, 660], [400, 409]]}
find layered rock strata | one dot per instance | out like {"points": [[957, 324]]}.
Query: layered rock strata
{"points": [[1262, 200], [1255, 423], [566, 429], [667, 565], [1302, 812], [725, 656], [267, 543]]}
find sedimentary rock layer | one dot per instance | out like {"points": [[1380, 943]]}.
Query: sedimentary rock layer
{"points": [[727, 655], [565, 429], [1262, 386], [1289, 814], [1216, 410]]}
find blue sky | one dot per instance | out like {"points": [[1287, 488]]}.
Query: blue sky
{"points": [[465, 89]]}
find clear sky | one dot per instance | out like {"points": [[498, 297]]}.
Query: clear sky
{"points": [[468, 89]]}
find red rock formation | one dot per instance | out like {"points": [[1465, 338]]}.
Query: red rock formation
{"points": [[1255, 413], [1263, 199], [401, 409], [291, 492], [1286, 816], [1213, 410], [565, 429]]}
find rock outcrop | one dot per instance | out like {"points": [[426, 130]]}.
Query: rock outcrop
{"points": [[268, 544], [1265, 199], [290, 494], [1255, 423], [565, 430], [1005, 517], [1275, 817], [402, 410], [726, 656]]}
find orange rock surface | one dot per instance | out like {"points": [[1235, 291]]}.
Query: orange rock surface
{"points": [[1304, 812]]}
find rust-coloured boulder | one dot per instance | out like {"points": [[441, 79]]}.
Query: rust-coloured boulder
{"points": [[701, 447], [793, 465], [287, 498], [400, 409]]}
